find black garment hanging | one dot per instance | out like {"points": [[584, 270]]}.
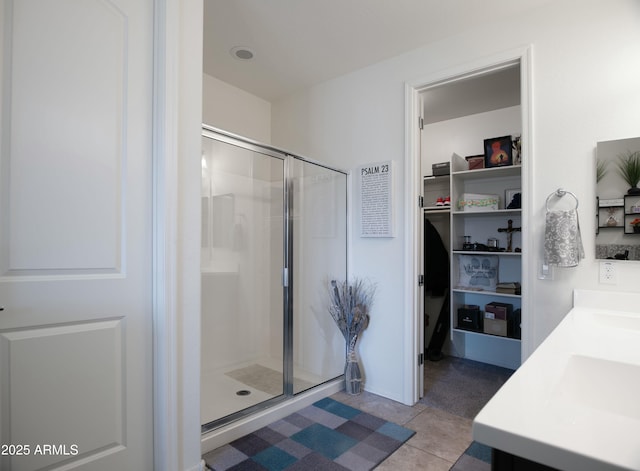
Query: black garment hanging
{"points": [[436, 280], [436, 261]]}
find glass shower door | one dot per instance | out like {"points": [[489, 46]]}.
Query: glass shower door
{"points": [[274, 233], [242, 260], [318, 215]]}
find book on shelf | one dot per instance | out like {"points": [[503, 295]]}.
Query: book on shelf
{"points": [[508, 287]]}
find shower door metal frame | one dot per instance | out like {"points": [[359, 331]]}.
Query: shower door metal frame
{"points": [[287, 269]]}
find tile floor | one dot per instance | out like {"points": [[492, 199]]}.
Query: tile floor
{"points": [[443, 429], [440, 438]]}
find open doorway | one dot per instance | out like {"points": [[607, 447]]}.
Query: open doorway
{"points": [[454, 113]]}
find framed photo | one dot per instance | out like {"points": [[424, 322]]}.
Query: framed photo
{"points": [[498, 152], [478, 272], [516, 146], [475, 162], [632, 204], [513, 198], [611, 216]]}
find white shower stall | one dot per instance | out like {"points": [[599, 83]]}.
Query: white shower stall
{"points": [[274, 233]]}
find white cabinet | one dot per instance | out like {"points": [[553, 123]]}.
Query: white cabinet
{"points": [[475, 269]]}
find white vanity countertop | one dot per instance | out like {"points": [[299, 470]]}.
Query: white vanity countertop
{"points": [[575, 403]]}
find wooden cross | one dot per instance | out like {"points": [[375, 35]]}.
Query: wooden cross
{"points": [[509, 230]]}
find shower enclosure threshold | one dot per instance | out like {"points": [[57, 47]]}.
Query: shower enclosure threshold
{"points": [[242, 386], [236, 429]]}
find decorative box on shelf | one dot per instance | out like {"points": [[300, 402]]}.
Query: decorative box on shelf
{"points": [[442, 168], [503, 320], [500, 311], [494, 326], [471, 202], [514, 325], [470, 317]]}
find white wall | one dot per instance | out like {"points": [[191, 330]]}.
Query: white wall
{"points": [[228, 108], [586, 70]]}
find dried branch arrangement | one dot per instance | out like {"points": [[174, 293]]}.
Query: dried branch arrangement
{"points": [[349, 306]]}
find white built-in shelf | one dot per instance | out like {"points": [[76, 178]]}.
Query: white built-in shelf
{"points": [[483, 173], [436, 177], [437, 209], [497, 212], [482, 334], [485, 293], [487, 252]]}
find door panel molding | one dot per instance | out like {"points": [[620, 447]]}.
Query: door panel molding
{"points": [[46, 358], [61, 222]]}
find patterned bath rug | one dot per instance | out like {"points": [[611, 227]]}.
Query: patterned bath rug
{"points": [[328, 435], [477, 457]]}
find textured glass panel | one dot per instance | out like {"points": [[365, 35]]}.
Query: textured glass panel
{"points": [[241, 261], [319, 254]]}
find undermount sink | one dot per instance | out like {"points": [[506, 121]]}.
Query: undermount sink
{"points": [[617, 320], [575, 403], [602, 385]]}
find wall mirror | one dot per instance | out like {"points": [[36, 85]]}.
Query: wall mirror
{"points": [[618, 199]]}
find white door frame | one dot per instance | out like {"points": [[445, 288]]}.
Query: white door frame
{"points": [[165, 374], [177, 119], [414, 190]]}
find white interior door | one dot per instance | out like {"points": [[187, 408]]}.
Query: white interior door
{"points": [[75, 235]]}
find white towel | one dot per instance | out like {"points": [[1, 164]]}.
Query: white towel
{"points": [[562, 239]]}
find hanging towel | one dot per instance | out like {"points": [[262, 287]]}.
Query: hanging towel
{"points": [[562, 239]]}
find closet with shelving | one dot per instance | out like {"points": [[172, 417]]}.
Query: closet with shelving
{"points": [[484, 243]]}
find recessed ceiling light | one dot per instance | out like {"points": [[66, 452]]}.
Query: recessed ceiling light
{"points": [[241, 53]]}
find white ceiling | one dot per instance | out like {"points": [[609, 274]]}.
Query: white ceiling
{"points": [[299, 43]]}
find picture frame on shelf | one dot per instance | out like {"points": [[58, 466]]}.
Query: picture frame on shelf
{"points": [[478, 272], [516, 146], [476, 162], [513, 198], [498, 152], [610, 216], [632, 204]]}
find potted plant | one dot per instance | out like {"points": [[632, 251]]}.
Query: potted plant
{"points": [[635, 224], [349, 305], [601, 169], [629, 170]]}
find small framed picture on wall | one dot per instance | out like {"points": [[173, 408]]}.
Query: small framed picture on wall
{"points": [[498, 152]]}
